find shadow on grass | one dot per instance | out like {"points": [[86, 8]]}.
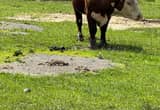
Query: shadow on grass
{"points": [[116, 47], [122, 47]]}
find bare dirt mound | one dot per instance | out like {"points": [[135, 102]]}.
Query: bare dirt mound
{"points": [[117, 23], [13, 26], [40, 64]]}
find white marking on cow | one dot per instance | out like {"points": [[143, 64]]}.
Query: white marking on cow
{"points": [[113, 4], [131, 10], [102, 20]]}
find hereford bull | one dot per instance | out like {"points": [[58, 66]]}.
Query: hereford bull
{"points": [[99, 13]]}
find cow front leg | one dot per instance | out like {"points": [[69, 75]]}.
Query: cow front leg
{"points": [[79, 25], [92, 30], [103, 30]]}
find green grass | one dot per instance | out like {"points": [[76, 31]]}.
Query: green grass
{"points": [[64, 34], [150, 8], [133, 86], [14, 7]]}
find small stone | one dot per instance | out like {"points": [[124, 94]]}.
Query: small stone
{"points": [[26, 90]]}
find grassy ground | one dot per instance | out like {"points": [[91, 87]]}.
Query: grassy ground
{"points": [[135, 85], [14, 7], [150, 8]]}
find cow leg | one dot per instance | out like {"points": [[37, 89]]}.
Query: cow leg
{"points": [[92, 29], [79, 25], [103, 30]]}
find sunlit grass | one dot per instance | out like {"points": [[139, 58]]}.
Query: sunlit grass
{"points": [[134, 86]]}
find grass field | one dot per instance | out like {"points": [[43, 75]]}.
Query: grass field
{"points": [[150, 8], [135, 85]]}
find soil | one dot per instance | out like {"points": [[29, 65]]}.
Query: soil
{"points": [[41, 64], [15, 25], [116, 23]]}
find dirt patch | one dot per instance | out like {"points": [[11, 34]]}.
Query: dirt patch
{"points": [[40, 64], [15, 25], [117, 23]]}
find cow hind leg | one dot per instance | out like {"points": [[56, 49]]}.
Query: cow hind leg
{"points": [[92, 29], [79, 25]]}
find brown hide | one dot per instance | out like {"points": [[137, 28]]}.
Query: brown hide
{"points": [[99, 6], [79, 5], [102, 7]]}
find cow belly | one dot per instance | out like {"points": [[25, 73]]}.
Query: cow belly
{"points": [[102, 20], [79, 5]]}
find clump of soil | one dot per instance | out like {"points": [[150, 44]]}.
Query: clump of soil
{"points": [[55, 63], [18, 53], [55, 48], [41, 64]]}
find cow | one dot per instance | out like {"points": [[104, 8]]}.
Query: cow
{"points": [[99, 13]]}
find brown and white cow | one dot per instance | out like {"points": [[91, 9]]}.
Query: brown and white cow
{"points": [[99, 12]]}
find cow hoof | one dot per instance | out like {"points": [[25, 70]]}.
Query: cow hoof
{"points": [[102, 45], [93, 44], [93, 47], [80, 37]]}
